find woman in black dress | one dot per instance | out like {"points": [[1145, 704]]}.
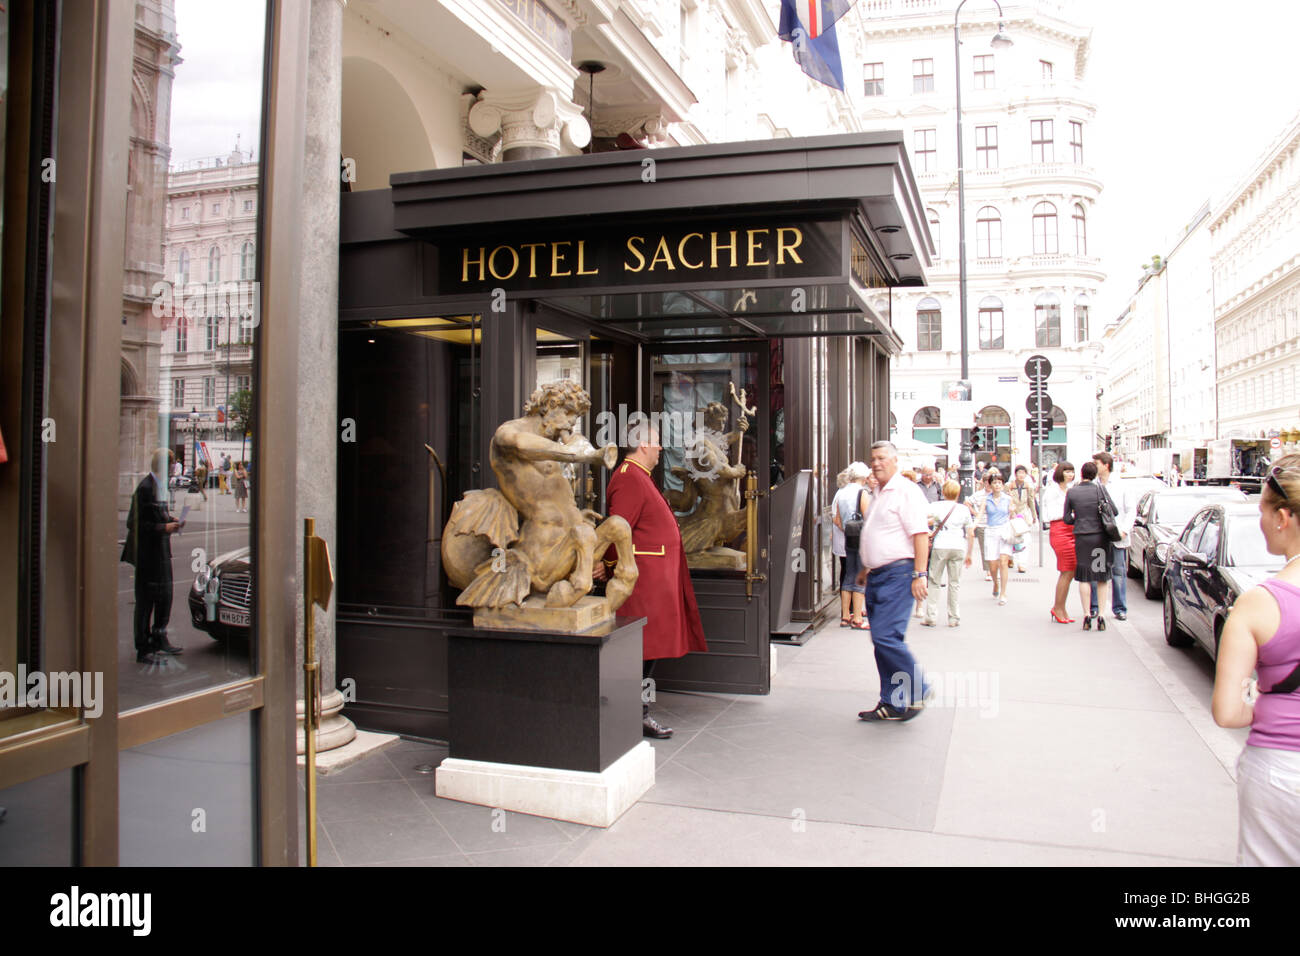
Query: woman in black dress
{"points": [[1092, 548]]}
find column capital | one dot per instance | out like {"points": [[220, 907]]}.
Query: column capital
{"points": [[532, 123]]}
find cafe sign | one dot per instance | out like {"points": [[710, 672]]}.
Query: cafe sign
{"points": [[659, 254]]}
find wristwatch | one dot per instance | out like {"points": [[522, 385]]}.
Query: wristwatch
{"points": [[919, 574]]}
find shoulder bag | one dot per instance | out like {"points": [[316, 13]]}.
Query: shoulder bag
{"points": [[1106, 512], [853, 527]]}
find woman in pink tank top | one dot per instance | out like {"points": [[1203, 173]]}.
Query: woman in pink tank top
{"points": [[1262, 635]]}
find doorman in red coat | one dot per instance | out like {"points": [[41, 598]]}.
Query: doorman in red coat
{"points": [[663, 592]]}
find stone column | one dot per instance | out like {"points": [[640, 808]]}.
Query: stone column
{"points": [[318, 421], [535, 124]]}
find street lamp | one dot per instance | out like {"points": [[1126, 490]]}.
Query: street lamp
{"points": [[966, 464]]}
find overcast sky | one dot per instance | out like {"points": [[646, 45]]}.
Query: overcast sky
{"points": [[1189, 94], [218, 89]]}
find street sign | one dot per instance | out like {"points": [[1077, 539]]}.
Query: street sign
{"points": [[1038, 368], [1039, 404], [1275, 443], [1038, 428]]}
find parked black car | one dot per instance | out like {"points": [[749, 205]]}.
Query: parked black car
{"points": [[1161, 517], [1220, 555], [221, 599]]}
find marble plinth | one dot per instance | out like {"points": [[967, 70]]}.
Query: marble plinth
{"points": [[534, 615]]}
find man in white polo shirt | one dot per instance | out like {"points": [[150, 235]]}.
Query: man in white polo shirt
{"points": [[894, 549]]}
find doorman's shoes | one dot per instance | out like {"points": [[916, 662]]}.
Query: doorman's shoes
{"points": [[652, 728]]}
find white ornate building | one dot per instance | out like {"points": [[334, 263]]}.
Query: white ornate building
{"points": [[1030, 194], [207, 346], [1256, 273]]}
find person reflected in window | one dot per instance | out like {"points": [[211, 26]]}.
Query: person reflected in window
{"points": [[149, 527]]}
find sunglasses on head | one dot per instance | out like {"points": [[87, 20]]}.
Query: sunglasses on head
{"points": [[1277, 485]]}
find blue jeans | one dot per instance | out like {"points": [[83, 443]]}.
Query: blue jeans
{"points": [[889, 604], [1118, 584]]}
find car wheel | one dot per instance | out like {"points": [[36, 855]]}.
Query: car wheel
{"points": [[1148, 588], [1175, 636]]}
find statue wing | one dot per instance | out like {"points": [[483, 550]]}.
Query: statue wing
{"points": [[486, 512]]}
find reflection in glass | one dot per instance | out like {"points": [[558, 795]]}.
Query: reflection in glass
{"points": [[38, 823], [188, 799], [190, 316]]}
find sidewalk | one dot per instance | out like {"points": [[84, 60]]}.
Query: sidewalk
{"points": [[1047, 745]]}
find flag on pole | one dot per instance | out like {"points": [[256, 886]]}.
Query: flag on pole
{"points": [[810, 26]]}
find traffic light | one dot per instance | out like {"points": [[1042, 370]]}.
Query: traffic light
{"points": [[1110, 442], [991, 435], [976, 436]]}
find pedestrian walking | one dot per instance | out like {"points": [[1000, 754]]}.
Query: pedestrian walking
{"points": [[953, 532], [975, 502], [1024, 514], [1061, 537], [201, 476], [931, 485], [1092, 548], [848, 507], [894, 546], [1262, 635], [998, 554], [149, 527]]}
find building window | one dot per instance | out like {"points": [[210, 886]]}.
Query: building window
{"points": [[988, 234], [984, 72], [1045, 69], [922, 76], [1045, 238], [1047, 321], [926, 141], [1076, 141], [1041, 141], [986, 147], [246, 262], [209, 391], [181, 344], [245, 336], [1080, 230], [178, 393], [1081, 319], [185, 213], [248, 205], [873, 79], [216, 209], [183, 268], [211, 345], [991, 323], [932, 218], [243, 383], [214, 265], [929, 326]]}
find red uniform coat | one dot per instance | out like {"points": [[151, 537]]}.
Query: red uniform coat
{"points": [[663, 592]]}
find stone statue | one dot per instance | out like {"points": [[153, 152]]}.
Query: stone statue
{"points": [[523, 555], [708, 505]]}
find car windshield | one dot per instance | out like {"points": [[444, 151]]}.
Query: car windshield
{"points": [[1175, 512], [1246, 545]]}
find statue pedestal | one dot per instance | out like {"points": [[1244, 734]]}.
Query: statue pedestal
{"points": [[589, 612], [547, 723]]}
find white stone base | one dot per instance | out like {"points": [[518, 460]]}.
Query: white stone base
{"points": [[771, 661], [363, 744], [594, 799]]}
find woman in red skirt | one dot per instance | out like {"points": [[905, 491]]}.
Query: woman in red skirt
{"points": [[1061, 535]]}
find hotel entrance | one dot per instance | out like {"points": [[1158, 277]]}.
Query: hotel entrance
{"points": [[728, 296]]}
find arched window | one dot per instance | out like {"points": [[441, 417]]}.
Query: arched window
{"points": [[991, 323], [1080, 230], [246, 262], [214, 265], [929, 326], [993, 415], [1081, 318], [893, 424], [1045, 238], [1047, 321], [183, 268], [932, 218], [988, 233], [925, 426]]}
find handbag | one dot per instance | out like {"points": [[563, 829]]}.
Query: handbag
{"points": [[1106, 511], [853, 527], [1019, 525]]}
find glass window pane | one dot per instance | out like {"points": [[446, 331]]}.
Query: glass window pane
{"points": [[185, 591], [38, 821]]}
